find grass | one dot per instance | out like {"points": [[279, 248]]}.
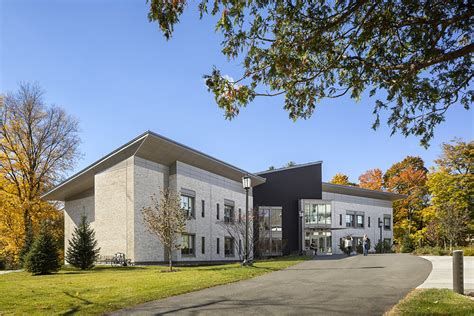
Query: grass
{"points": [[106, 289], [433, 302]]}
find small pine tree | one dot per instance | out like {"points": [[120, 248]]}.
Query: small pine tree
{"points": [[82, 251], [29, 238], [43, 258]]}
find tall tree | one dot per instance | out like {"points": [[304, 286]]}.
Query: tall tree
{"points": [[418, 53], [451, 185], [82, 251], [38, 145], [372, 179], [408, 177], [340, 178], [166, 220]]}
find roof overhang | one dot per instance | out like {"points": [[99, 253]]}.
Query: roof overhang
{"points": [[356, 191], [153, 147]]}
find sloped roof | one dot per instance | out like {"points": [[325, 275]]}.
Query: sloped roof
{"points": [[356, 191], [153, 147]]}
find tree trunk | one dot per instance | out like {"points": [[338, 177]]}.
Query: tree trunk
{"points": [[170, 260]]}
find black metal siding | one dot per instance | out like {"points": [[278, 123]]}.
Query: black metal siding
{"points": [[284, 188]]}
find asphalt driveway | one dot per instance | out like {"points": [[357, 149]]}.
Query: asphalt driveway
{"points": [[328, 285]]}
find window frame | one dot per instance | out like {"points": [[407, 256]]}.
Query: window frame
{"points": [[229, 218], [385, 227], [192, 205], [191, 237], [232, 248]]}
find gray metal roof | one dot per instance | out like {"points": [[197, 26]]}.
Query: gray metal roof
{"points": [[356, 191], [153, 147]]}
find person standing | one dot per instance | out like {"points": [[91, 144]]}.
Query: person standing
{"points": [[365, 245]]}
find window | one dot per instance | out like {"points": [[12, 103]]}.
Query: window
{"points": [[218, 246], [360, 221], [317, 213], [240, 246], [386, 222], [187, 204], [240, 215], [387, 242], [203, 245], [203, 208], [187, 247], [228, 213], [217, 207], [368, 222], [229, 246], [340, 219], [349, 220], [271, 234]]}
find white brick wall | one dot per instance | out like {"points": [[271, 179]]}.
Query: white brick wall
{"points": [[74, 209], [212, 189], [120, 193], [149, 177], [114, 209], [372, 208]]}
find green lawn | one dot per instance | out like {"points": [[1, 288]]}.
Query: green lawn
{"points": [[434, 302], [106, 289]]}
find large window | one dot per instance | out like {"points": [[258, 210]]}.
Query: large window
{"points": [[360, 221], [187, 246], [187, 204], [386, 222], [317, 213], [349, 220], [229, 246], [228, 213], [270, 231]]}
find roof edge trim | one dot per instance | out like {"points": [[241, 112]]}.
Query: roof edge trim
{"points": [[292, 167]]}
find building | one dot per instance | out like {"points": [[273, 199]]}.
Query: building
{"points": [[112, 191], [299, 210], [295, 207]]}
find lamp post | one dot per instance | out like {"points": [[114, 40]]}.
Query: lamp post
{"points": [[246, 184], [380, 240]]}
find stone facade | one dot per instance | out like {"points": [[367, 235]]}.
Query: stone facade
{"points": [[113, 207], [372, 209]]}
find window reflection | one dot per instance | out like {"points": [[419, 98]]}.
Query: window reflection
{"points": [[317, 213], [270, 232]]}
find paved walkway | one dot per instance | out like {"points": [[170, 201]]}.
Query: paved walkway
{"points": [[441, 276], [326, 286], [9, 271]]}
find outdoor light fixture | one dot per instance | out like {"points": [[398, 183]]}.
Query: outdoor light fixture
{"points": [[246, 184]]}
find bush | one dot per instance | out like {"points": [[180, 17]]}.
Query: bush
{"points": [[407, 244], [468, 251], [434, 251], [387, 248], [82, 251], [43, 258]]}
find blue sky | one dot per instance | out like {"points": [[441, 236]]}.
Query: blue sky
{"points": [[110, 68]]}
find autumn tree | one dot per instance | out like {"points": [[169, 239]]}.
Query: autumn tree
{"points": [[166, 220], [38, 145], [372, 179], [342, 179], [451, 184], [417, 53], [408, 177]]}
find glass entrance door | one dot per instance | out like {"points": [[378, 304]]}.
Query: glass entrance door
{"points": [[318, 239]]}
